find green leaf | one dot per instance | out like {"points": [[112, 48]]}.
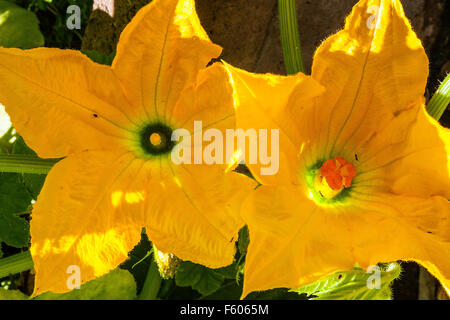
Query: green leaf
{"points": [[16, 263], [100, 57], [228, 291], [139, 270], [290, 39], [228, 272], [275, 294], [33, 182], [117, 285], [243, 240], [12, 295], [5, 141], [200, 278], [357, 284], [14, 200], [233, 291], [440, 100], [19, 28], [20, 147]]}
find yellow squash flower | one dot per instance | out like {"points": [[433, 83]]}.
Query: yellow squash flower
{"points": [[364, 170], [113, 127]]}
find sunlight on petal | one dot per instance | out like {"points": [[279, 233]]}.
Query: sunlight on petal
{"points": [[134, 197], [53, 246], [177, 181], [302, 147], [233, 85], [89, 250], [353, 46], [116, 197], [236, 159]]}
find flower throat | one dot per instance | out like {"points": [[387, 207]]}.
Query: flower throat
{"points": [[330, 181], [156, 139]]}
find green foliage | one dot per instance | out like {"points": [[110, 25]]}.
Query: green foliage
{"points": [[15, 200], [12, 295], [33, 182], [16, 194], [19, 28], [200, 278], [276, 294], [290, 39], [231, 290], [53, 16], [244, 240], [116, 285], [5, 140], [440, 100], [229, 272], [354, 285], [100, 57], [136, 265], [15, 264]]}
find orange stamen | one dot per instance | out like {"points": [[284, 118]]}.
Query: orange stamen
{"points": [[338, 173]]}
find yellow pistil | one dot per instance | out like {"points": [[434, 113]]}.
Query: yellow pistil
{"points": [[155, 139], [323, 189]]}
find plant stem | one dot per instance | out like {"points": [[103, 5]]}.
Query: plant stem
{"points": [[152, 283], [440, 100], [15, 264], [290, 39], [22, 163]]}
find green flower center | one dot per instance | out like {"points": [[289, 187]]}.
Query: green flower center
{"points": [[156, 139]]}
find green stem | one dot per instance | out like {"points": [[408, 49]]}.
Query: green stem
{"points": [[152, 283], [290, 39], [15, 264], [439, 102], [21, 163]]}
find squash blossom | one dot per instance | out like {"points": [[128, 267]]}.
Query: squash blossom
{"points": [[364, 170], [113, 126]]}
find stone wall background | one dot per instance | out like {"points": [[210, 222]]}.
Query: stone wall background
{"points": [[248, 30]]}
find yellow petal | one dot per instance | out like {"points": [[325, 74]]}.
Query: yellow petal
{"points": [[88, 216], [373, 70], [414, 162], [61, 102], [403, 228], [263, 101], [209, 99], [194, 213], [371, 114], [159, 53], [292, 241]]}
